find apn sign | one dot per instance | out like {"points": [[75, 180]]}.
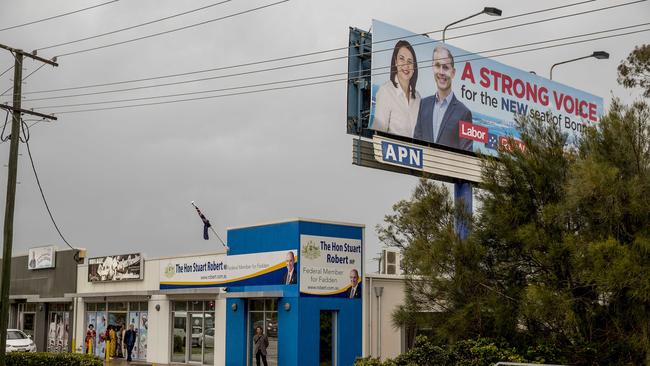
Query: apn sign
{"points": [[401, 154]]}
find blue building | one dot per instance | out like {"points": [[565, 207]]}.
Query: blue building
{"points": [[300, 288]]}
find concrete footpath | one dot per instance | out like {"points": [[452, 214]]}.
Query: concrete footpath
{"points": [[122, 362]]}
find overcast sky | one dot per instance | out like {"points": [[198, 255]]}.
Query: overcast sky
{"points": [[121, 181]]}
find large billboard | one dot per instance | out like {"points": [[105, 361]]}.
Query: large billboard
{"points": [[330, 266], [41, 257], [123, 267], [433, 92]]}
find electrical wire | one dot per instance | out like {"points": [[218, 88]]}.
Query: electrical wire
{"points": [[134, 26], [298, 55], [6, 71], [3, 139], [40, 187], [458, 57], [25, 78], [173, 30], [338, 80], [57, 16], [278, 67]]}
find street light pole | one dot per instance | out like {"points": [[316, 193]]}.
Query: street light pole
{"points": [[600, 55], [486, 10], [463, 189]]}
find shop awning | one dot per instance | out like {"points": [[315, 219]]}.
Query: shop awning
{"points": [[113, 296], [251, 294]]}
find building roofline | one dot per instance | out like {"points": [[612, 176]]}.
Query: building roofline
{"points": [[295, 219]]}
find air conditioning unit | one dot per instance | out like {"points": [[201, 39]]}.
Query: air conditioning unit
{"points": [[390, 260]]}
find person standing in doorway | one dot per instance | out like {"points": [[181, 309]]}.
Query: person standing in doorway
{"points": [[260, 342], [129, 339]]}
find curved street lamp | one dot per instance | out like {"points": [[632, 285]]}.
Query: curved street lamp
{"points": [[487, 10], [601, 55]]}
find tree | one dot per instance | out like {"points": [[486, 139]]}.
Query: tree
{"points": [[635, 71], [559, 253]]}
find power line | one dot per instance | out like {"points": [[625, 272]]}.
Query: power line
{"points": [[134, 26], [28, 75], [6, 71], [173, 30], [303, 54], [341, 79], [283, 66], [459, 57], [38, 182], [58, 16]]}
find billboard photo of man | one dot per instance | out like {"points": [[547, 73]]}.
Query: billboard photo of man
{"points": [[290, 276], [354, 292], [439, 115]]}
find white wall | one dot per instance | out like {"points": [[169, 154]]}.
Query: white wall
{"points": [[159, 339], [379, 326], [220, 332], [150, 281]]}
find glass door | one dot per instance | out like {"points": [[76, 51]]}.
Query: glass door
{"points": [[27, 323], [193, 332], [196, 353], [180, 336], [263, 313]]}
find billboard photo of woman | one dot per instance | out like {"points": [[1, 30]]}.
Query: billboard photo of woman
{"points": [[398, 101]]}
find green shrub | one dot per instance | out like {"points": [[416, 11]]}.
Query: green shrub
{"points": [[50, 359], [471, 352]]}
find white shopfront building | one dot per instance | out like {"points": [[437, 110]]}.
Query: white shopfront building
{"points": [[173, 326]]}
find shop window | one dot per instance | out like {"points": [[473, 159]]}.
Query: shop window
{"points": [[271, 305], [256, 305], [31, 307], [117, 306], [91, 306], [101, 306], [209, 306], [134, 306], [180, 305], [196, 305], [144, 306]]}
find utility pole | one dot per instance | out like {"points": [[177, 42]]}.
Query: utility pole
{"points": [[11, 187]]}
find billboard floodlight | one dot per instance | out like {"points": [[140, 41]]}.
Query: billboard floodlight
{"points": [[487, 10], [600, 55]]}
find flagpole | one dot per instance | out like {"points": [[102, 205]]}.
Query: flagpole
{"points": [[211, 228]]}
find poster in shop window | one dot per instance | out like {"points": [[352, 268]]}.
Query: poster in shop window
{"points": [[142, 335], [89, 339]]}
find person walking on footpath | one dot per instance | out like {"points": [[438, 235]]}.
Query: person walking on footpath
{"points": [[260, 342], [129, 339]]}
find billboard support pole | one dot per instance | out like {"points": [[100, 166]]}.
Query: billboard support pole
{"points": [[463, 196]]}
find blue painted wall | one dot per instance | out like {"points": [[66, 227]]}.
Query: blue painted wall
{"points": [[298, 328], [236, 333], [348, 329], [267, 238]]}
